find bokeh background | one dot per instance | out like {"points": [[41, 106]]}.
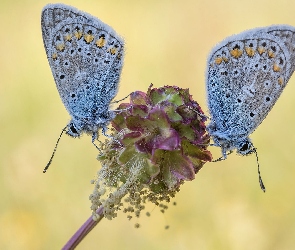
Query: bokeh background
{"points": [[167, 42]]}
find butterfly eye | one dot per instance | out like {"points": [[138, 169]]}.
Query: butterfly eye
{"points": [[73, 129], [244, 147]]}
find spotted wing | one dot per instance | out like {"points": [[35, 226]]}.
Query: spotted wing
{"points": [[286, 34], [245, 76], [86, 58]]}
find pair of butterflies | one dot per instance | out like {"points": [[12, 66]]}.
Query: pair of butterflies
{"points": [[246, 73]]}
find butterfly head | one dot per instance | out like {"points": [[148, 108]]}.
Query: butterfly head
{"points": [[90, 125], [73, 130], [245, 146], [242, 145]]}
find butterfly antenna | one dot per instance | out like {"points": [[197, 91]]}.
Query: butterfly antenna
{"points": [[259, 175], [53, 153]]}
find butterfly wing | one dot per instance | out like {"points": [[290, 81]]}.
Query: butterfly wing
{"points": [[245, 76], [286, 34], [86, 58]]}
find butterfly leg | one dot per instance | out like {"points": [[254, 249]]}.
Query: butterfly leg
{"points": [[104, 130], [224, 156], [95, 137], [122, 110], [121, 99], [200, 114]]}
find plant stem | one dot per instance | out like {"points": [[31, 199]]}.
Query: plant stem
{"points": [[83, 231]]}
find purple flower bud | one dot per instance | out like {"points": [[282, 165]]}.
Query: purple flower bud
{"points": [[163, 143]]}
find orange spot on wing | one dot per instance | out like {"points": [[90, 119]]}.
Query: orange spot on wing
{"points": [[271, 54], [60, 47], [100, 42], [88, 38], [261, 50], [236, 53], [78, 34], [68, 37], [250, 51], [218, 60], [113, 51], [276, 68], [54, 56]]}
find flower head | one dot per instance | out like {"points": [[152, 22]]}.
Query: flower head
{"points": [[159, 142]]}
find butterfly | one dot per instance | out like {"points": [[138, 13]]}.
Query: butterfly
{"points": [[246, 74], [86, 58]]}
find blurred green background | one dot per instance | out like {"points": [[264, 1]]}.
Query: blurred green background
{"points": [[167, 42]]}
